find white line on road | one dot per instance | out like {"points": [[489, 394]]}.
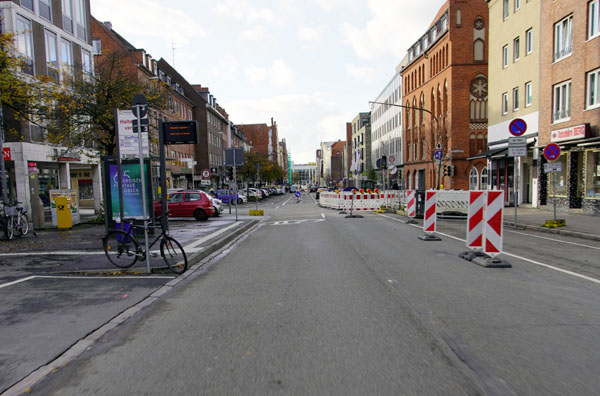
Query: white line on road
{"points": [[322, 215], [55, 253], [214, 234], [552, 239], [515, 256], [80, 277]]}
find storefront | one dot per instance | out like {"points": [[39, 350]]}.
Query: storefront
{"points": [[577, 184]]}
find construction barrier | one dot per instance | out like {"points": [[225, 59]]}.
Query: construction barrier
{"points": [[452, 203], [475, 220], [430, 217], [493, 223], [411, 203]]}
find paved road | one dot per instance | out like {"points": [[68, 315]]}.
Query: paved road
{"points": [[314, 303]]}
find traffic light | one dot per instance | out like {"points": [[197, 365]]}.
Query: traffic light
{"points": [[230, 173], [446, 170], [452, 170], [383, 162]]}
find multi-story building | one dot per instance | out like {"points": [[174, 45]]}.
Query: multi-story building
{"points": [[570, 101], [304, 174], [386, 128], [361, 147], [263, 138], [323, 156], [53, 38], [446, 76], [337, 153], [513, 92]]}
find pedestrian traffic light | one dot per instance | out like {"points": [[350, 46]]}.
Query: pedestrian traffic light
{"points": [[383, 162]]}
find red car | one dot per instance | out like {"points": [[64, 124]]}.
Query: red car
{"points": [[187, 203]]}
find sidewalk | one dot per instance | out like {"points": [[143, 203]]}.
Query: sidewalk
{"points": [[577, 225]]}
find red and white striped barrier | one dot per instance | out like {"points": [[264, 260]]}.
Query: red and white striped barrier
{"points": [[475, 220], [493, 223], [429, 219], [411, 204]]}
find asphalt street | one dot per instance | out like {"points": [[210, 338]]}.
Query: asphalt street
{"points": [[316, 303]]}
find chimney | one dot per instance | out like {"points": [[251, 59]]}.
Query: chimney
{"points": [[108, 24]]}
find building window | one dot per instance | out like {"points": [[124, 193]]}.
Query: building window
{"points": [[593, 18], [27, 4], [484, 179], [51, 55], [67, 15], [505, 10], [561, 108], [516, 49], [528, 94], [515, 98], [592, 174], [505, 103], [66, 57], [473, 179], [517, 4], [592, 95], [529, 41], [505, 56], [80, 20], [25, 44], [86, 63], [557, 181], [45, 9], [563, 38], [478, 50], [97, 46]]}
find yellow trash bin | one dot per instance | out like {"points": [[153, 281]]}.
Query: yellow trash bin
{"points": [[63, 212]]}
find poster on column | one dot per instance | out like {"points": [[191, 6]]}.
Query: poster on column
{"points": [[128, 140], [132, 190]]}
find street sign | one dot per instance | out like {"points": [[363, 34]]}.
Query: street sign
{"points": [[437, 155], [391, 159], [180, 132], [205, 173], [517, 127], [552, 152], [517, 141], [139, 101], [205, 182], [553, 167], [143, 121], [517, 151], [234, 156], [6, 153], [297, 194]]}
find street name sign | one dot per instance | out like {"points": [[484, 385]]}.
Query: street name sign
{"points": [[517, 141], [517, 151]]}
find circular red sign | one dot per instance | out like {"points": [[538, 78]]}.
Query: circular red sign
{"points": [[517, 127], [391, 159], [552, 152], [205, 173]]}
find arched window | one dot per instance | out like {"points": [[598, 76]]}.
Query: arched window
{"points": [[484, 179], [414, 105], [478, 47], [422, 106], [473, 179], [416, 177], [480, 142]]}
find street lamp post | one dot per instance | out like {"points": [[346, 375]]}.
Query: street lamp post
{"points": [[439, 131]]}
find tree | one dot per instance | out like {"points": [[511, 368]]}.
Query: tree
{"points": [[269, 171], [82, 112]]}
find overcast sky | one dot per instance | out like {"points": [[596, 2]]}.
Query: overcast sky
{"points": [[312, 65]]}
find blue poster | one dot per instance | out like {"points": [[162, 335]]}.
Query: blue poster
{"points": [[132, 191]]}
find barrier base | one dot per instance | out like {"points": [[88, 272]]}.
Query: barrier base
{"points": [[555, 223], [411, 221], [343, 212], [353, 216], [429, 237], [484, 260]]}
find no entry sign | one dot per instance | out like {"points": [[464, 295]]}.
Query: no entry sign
{"points": [[517, 127], [552, 152]]}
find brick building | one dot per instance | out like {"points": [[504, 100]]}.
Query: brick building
{"points": [[263, 138], [446, 75], [338, 159], [570, 103]]}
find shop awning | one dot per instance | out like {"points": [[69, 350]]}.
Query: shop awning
{"points": [[496, 152]]}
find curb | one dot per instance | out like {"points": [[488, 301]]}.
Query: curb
{"points": [[24, 385], [558, 231]]}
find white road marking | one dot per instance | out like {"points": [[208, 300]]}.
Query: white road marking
{"points": [[323, 215], [516, 256], [212, 235], [80, 277], [552, 239], [54, 253]]}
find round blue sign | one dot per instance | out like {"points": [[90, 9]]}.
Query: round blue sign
{"points": [[552, 151], [297, 194], [438, 154], [517, 127]]}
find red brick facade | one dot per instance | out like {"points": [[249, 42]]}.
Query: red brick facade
{"points": [[438, 79], [262, 138]]}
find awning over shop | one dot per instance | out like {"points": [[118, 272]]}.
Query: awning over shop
{"points": [[491, 153]]}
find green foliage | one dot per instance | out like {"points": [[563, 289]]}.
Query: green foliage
{"points": [[372, 174], [269, 171]]}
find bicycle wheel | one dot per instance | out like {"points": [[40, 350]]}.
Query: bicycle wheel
{"points": [[174, 255], [24, 224], [16, 227], [9, 230], [120, 248]]}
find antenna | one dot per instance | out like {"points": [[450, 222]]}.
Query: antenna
{"points": [[173, 48]]}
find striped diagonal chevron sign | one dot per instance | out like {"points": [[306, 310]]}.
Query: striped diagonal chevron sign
{"points": [[429, 220], [493, 223], [411, 204], [475, 220]]}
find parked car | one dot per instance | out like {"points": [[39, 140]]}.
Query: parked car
{"points": [[224, 195], [217, 206], [187, 203], [255, 193]]}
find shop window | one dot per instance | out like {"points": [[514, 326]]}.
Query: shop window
{"points": [[484, 179], [592, 174], [557, 181], [86, 189]]}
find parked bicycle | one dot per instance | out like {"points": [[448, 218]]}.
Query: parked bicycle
{"points": [[14, 221], [122, 248]]}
